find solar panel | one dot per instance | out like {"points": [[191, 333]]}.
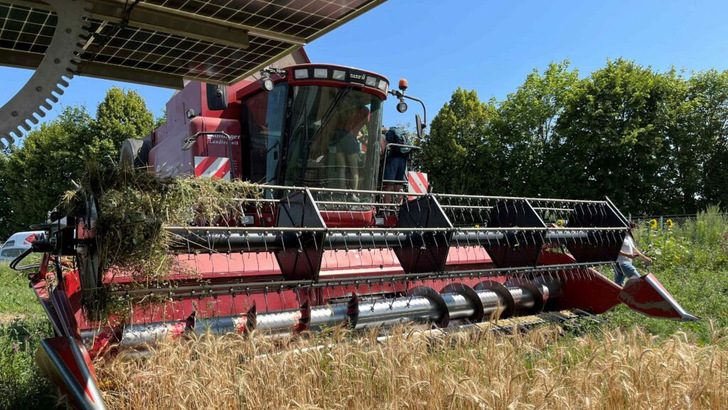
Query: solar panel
{"points": [[162, 42], [301, 18]]}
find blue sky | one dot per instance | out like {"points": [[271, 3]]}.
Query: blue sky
{"points": [[486, 46]]}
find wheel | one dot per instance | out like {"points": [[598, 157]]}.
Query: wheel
{"points": [[135, 153]]}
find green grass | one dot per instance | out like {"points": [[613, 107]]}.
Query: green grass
{"points": [[691, 261], [22, 326], [16, 298]]}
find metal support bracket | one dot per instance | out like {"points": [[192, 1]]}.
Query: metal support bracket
{"points": [[425, 251], [302, 252], [520, 248], [603, 245]]}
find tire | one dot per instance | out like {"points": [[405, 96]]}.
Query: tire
{"points": [[135, 153]]}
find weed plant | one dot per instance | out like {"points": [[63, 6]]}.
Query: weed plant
{"points": [[132, 207], [21, 384], [691, 261]]}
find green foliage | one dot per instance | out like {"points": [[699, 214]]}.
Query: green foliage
{"points": [[707, 114], [691, 261], [612, 139], [460, 144], [21, 384], [525, 125], [6, 210], [653, 142], [121, 115], [35, 175], [22, 326]]}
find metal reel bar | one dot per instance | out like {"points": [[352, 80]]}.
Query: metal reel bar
{"points": [[176, 290], [513, 232], [258, 239]]}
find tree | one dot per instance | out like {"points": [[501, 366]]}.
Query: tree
{"points": [[525, 125], [706, 116], [121, 115], [612, 136], [6, 211], [38, 172], [35, 175], [460, 155]]}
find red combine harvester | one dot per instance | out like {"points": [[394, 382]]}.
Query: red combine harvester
{"points": [[326, 242]]}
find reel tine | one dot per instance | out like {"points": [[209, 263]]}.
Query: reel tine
{"points": [[265, 298], [327, 291], [353, 197], [251, 319], [215, 307], [369, 292]]}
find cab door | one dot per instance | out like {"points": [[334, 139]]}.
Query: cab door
{"points": [[262, 121]]}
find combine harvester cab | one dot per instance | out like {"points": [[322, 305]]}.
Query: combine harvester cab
{"points": [[315, 243]]}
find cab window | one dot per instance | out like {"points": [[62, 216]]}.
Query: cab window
{"points": [[262, 128], [335, 138]]}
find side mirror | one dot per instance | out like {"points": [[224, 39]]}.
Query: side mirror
{"points": [[419, 126], [216, 97]]}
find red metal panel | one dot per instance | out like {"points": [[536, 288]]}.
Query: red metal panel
{"points": [[188, 98], [167, 157], [647, 295], [348, 219], [217, 145], [593, 293], [77, 379]]}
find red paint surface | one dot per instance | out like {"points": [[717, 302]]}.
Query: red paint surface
{"points": [[593, 293], [642, 295], [61, 348]]}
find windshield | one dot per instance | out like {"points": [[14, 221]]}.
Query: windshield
{"points": [[335, 141]]}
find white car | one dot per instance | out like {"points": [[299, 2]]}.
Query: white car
{"points": [[18, 243]]}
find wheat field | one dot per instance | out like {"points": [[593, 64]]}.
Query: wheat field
{"points": [[543, 369]]}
